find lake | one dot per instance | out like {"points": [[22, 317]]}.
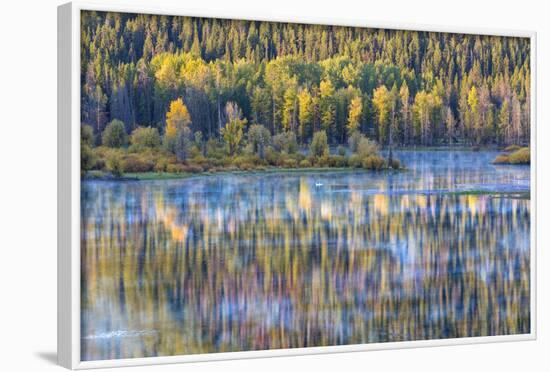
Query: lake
{"points": [[257, 261]]}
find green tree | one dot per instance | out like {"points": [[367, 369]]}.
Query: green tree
{"points": [[145, 137], [87, 159], [261, 106], [327, 106], [353, 141], [366, 147], [114, 134], [198, 141], [305, 108], [232, 133], [114, 163], [259, 137], [86, 135], [290, 109], [183, 143], [285, 142], [319, 144]]}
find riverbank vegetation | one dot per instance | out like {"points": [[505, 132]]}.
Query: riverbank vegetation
{"points": [[179, 151], [514, 155], [181, 94]]}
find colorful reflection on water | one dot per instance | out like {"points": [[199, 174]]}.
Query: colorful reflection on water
{"points": [[284, 260]]}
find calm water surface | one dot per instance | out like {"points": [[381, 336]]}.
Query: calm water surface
{"points": [[283, 260]]}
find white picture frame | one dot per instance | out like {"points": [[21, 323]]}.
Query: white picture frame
{"points": [[69, 187]]}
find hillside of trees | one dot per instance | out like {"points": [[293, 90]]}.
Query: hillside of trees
{"points": [[397, 88]]}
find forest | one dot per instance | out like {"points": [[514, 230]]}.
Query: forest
{"points": [[328, 186], [180, 83]]}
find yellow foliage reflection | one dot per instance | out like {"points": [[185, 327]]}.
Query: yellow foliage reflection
{"points": [[203, 266]]}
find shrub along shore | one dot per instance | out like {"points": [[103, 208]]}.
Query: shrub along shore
{"points": [[514, 155], [145, 154]]}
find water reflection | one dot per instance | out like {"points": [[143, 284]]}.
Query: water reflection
{"points": [[231, 263]]}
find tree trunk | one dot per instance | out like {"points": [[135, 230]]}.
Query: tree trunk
{"points": [[390, 141], [219, 115]]}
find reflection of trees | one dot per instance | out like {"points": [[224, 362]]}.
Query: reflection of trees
{"points": [[215, 267]]}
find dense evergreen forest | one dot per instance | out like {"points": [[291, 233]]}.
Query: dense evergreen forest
{"points": [[395, 87]]}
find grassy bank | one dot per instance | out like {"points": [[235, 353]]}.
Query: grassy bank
{"points": [[514, 155], [147, 158], [150, 176]]}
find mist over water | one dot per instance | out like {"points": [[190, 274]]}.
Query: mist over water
{"points": [[297, 259]]}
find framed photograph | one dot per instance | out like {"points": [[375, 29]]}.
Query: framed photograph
{"points": [[242, 186]]}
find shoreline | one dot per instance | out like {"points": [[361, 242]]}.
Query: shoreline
{"points": [[153, 176], [100, 175]]}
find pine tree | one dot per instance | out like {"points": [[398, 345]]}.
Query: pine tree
{"points": [[94, 101], [327, 107]]}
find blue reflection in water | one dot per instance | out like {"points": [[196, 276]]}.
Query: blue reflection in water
{"points": [[282, 260]]}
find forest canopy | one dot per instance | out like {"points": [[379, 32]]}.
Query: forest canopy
{"points": [[394, 87]]}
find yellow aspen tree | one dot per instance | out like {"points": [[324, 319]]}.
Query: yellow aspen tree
{"points": [[354, 116]]}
